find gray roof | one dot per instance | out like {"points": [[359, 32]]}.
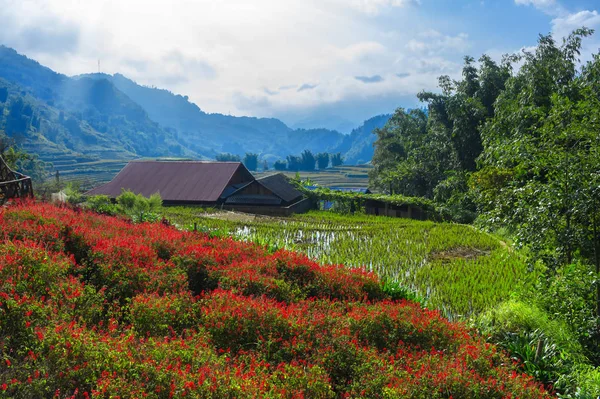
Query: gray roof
{"points": [[280, 185], [174, 180]]}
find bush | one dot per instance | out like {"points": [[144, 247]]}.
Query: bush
{"points": [[101, 204], [587, 380], [547, 349], [122, 321], [156, 315], [138, 207], [570, 293]]}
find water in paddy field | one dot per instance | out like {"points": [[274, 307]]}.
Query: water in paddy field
{"points": [[346, 246]]}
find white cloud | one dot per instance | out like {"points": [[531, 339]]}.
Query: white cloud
{"points": [[374, 7], [433, 42], [260, 57], [563, 26], [550, 7]]}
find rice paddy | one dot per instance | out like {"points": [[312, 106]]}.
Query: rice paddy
{"points": [[459, 270]]}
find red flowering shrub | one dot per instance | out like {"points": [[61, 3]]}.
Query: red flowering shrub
{"points": [[94, 306], [161, 315]]}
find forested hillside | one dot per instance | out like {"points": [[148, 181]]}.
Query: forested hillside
{"points": [[515, 146], [357, 147], [93, 123], [83, 116]]}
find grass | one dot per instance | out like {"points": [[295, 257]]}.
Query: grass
{"points": [[460, 270]]}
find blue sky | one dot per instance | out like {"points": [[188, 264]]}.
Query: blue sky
{"points": [[330, 63]]}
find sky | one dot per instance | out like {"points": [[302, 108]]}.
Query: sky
{"points": [[329, 63]]}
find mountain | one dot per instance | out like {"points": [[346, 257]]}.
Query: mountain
{"points": [[357, 147], [82, 115], [211, 134], [84, 123]]}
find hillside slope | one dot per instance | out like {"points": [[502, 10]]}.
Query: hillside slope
{"points": [[214, 133], [96, 306], [51, 113], [357, 147], [85, 123]]}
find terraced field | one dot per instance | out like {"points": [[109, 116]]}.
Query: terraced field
{"points": [[341, 176], [91, 169], [458, 269]]}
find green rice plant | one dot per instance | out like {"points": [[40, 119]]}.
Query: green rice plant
{"points": [[456, 268]]}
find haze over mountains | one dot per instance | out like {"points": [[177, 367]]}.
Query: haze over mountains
{"points": [[112, 117]]}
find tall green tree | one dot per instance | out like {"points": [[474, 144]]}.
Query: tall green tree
{"points": [[336, 159], [540, 167], [3, 94], [279, 165], [251, 161], [528, 179], [294, 163], [21, 161], [432, 154], [227, 157], [322, 160], [307, 160]]}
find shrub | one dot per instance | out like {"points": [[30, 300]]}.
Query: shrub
{"points": [[101, 204], [545, 348], [162, 315], [122, 319]]}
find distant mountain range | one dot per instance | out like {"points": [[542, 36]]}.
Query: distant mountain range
{"points": [[99, 117]]}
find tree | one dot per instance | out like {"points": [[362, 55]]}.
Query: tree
{"points": [[19, 117], [416, 152], [251, 161], [465, 105], [336, 159], [398, 160], [280, 165], [307, 160], [537, 142], [227, 157], [21, 161], [540, 167], [294, 163], [3, 94], [322, 160], [138, 207]]}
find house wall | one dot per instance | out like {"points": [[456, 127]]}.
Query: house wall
{"points": [[240, 177], [301, 206], [254, 189]]}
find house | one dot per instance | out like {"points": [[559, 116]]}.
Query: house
{"points": [[273, 195], [13, 184], [227, 185]]}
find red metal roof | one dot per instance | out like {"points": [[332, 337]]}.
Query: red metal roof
{"points": [[175, 180]]}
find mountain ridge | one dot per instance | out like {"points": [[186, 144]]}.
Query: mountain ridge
{"points": [[100, 116]]}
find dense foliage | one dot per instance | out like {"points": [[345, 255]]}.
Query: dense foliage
{"points": [[93, 305], [22, 162], [307, 161], [518, 148]]}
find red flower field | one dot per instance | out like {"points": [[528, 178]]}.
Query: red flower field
{"points": [[94, 306]]}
